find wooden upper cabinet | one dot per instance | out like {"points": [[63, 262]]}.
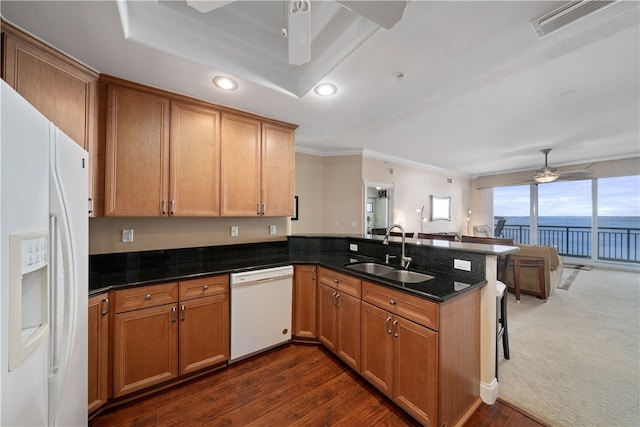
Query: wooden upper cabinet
{"points": [[137, 153], [240, 166], [278, 169], [62, 89], [195, 160]]}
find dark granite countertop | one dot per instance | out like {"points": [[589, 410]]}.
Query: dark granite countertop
{"points": [[442, 287]]}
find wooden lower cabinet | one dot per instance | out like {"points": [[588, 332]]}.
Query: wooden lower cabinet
{"points": [[304, 302], [167, 330], [399, 357], [204, 333], [98, 352], [145, 348], [423, 355], [339, 321]]}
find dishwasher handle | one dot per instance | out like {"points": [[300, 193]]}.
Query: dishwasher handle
{"points": [[259, 281]]}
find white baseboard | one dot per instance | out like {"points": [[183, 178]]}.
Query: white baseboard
{"points": [[489, 392]]}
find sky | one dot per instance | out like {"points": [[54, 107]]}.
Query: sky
{"points": [[618, 196]]}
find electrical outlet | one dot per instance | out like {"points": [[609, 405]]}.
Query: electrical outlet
{"points": [[272, 230], [234, 231], [353, 247], [461, 264], [127, 236]]}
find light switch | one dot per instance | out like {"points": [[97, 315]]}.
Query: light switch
{"points": [[272, 230], [234, 231]]}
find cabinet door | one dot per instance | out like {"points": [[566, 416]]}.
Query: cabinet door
{"points": [[195, 160], [145, 348], [327, 332], [63, 90], [278, 169], [204, 333], [304, 302], [377, 348], [98, 352], [415, 366], [137, 153], [240, 166], [348, 323]]}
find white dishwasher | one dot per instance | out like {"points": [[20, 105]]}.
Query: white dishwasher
{"points": [[261, 310]]}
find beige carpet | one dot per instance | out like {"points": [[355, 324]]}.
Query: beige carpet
{"points": [[575, 359]]}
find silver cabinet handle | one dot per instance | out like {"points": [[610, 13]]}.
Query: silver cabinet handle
{"points": [[336, 281], [333, 301], [337, 300], [392, 302], [257, 208], [173, 314], [395, 328], [164, 207], [172, 205], [90, 205], [205, 287], [313, 273], [182, 312], [387, 327], [105, 306], [147, 297], [264, 209]]}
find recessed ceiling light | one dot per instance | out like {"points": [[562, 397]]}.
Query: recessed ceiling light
{"points": [[225, 83], [326, 89]]}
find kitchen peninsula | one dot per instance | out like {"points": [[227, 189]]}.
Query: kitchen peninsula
{"points": [[372, 323]]}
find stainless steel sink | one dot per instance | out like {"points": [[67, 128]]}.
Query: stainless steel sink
{"points": [[372, 268], [389, 272], [406, 276]]}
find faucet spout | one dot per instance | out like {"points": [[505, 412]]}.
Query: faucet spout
{"points": [[404, 260]]}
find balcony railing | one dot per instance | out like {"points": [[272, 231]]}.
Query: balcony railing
{"points": [[614, 244]]}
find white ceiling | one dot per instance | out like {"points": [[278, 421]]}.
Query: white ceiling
{"points": [[482, 93]]}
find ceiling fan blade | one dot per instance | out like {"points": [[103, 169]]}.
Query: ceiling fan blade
{"points": [[384, 13], [575, 175], [299, 31], [205, 6]]}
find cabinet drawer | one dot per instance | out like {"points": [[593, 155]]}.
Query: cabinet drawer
{"points": [[342, 282], [204, 287], [145, 296], [410, 307]]}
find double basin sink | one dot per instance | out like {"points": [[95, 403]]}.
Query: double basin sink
{"points": [[390, 273]]}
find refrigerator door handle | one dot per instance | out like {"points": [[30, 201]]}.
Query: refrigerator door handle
{"points": [[53, 295], [68, 286]]}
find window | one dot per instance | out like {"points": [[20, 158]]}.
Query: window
{"points": [[597, 219], [619, 218], [512, 204], [564, 217]]}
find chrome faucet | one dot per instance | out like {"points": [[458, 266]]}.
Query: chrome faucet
{"points": [[404, 260]]}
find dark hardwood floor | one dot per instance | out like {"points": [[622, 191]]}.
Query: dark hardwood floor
{"points": [[297, 384]]}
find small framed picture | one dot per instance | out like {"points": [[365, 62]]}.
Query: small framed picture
{"points": [[295, 209], [369, 207]]}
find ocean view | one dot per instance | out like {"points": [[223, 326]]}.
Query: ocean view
{"points": [[618, 236], [577, 221]]}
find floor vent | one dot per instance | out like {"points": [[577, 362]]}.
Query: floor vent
{"points": [[567, 14]]}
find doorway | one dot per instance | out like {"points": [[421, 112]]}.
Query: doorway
{"points": [[378, 206]]}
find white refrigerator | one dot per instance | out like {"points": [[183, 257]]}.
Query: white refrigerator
{"points": [[44, 269]]}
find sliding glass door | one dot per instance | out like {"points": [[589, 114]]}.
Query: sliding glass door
{"points": [[564, 217], [596, 218]]}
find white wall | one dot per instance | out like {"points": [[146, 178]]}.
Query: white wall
{"points": [[414, 187]]}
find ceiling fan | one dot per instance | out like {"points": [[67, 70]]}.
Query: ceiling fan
{"points": [[298, 31], [549, 174]]}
